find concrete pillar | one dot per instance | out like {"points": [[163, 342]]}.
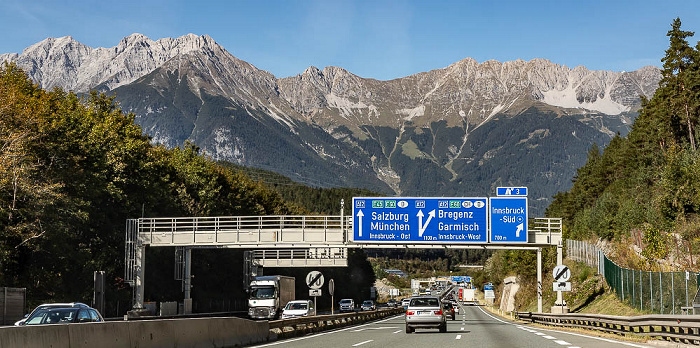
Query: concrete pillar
{"points": [[139, 274], [187, 279]]}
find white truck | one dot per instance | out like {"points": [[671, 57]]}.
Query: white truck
{"points": [[466, 295], [269, 295]]}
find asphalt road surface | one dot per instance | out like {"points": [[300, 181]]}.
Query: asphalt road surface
{"points": [[473, 327]]}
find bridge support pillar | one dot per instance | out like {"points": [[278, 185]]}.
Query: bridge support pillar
{"points": [[187, 280], [139, 275]]}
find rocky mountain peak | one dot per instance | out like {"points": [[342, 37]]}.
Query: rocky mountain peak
{"points": [[66, 63]]}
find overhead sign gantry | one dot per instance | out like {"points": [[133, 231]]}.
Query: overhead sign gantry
{"points": [[458, 222]]}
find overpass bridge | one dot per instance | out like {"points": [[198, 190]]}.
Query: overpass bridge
{"points": [[285, 241]]}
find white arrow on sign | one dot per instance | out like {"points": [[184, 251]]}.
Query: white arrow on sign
{"points": [[359, 219], [517, 232], [421, 227]]}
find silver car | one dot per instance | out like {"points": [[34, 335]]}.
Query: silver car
{"points": [[425, 312]]}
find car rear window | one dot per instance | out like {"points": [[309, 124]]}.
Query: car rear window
{"points": [[425, 302]]}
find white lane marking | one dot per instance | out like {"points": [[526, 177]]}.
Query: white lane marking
{"points": [[549, 337], [598, 338], [376, 328], [361, 343], [397, 331], [575, 334], [325, 333], [540, 333], [459, 337], [563, 343], [462, 329]]}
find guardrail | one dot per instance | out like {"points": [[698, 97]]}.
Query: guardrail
{"points": [[684, 329], [297, 326]]}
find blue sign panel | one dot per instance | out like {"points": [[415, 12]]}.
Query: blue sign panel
{"points": [[511, 191], [488, 286], [411, 220], [508, 217]]}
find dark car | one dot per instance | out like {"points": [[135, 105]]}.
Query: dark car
{"points": [[449, 309], [63, 314]]}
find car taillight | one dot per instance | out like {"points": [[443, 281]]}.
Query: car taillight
{"points": [[438, 312], [410, 312]]}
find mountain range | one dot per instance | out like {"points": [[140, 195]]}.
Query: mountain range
{"points": [[457, 131]]}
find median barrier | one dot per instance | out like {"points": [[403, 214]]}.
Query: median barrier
{"points": [[186, 332], [287, 328]]}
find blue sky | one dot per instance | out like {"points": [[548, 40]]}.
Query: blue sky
{"points": [[375, 39]]}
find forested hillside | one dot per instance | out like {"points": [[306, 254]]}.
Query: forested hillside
{"points": [[648, 183], [73, 169]]}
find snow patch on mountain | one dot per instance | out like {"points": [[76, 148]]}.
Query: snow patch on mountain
{"points": [[412, 113], [567, 98], [345, 106]]}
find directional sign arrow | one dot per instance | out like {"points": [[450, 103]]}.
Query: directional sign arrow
{"points": [[517, 231], [421, 227], [359, 218]]}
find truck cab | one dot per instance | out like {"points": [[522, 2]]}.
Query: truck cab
{"points": [[269, 295]]}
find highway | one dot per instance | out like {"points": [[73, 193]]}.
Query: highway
{"points": [[473, 327]]}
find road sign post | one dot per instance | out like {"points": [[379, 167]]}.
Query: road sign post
{"points": [[315, 281], [419, 220], [331, 291]]}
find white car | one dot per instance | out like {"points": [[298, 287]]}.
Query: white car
{"points": [[298, 308], [424, 313], [347, 305]]}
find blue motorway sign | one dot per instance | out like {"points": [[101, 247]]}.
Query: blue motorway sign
{"points": [[410, 220], [508, 218], [511, 191]]}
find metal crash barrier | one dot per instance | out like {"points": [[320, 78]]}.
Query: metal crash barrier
{"points": [[299, 326], [685, 329]]}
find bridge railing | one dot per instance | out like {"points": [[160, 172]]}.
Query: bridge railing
{"points": [[256, 231]]}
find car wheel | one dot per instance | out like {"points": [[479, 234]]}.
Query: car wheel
{"points": [[409, 329], [443, 328]]}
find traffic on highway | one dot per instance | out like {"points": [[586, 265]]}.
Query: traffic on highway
{"points": [[474, 327]]}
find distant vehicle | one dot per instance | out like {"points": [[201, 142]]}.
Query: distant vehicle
{"points": [[425, 313], [347, 305], [449, 309], [392, 303], [269, 295], [368, 305], [298, 308], [62, 313], [405, 302]]}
